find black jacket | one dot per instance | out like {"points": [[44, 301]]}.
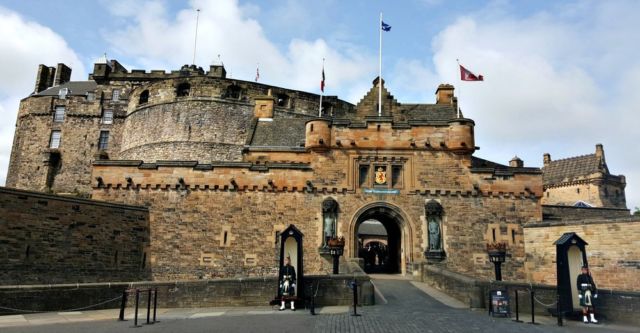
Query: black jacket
{"points": [[586, 278], [288, 270]]}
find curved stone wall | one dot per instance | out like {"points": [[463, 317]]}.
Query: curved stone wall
{"points": [[187, 129]]}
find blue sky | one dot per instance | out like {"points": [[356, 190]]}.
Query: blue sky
{"points": [[560, 76]]}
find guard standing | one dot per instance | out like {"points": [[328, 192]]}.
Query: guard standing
{"points": [[288, 284], [587, 292]]}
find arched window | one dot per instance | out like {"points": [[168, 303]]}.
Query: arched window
{"points": [[183, 89], [144, 97], [233, 92], [329, 220], [433, 213]]}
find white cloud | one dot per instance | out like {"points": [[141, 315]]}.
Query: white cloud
{"points": [[158, 40], [25, 44], [555, 82]]}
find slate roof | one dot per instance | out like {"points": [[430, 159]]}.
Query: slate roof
{"points": [[281, 132], [428, 112], [572, 168], [76, 88]]}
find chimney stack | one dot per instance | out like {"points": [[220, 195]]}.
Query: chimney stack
{"points": [[63, 75], [444, 94], [546, 159], [44, 78], [599, 151]]}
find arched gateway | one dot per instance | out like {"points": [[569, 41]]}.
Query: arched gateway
{"points": [[398, 253]]}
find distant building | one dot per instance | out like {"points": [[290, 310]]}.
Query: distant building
{"points": [[582, 181]]}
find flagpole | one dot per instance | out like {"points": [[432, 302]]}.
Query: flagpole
{"points": [[321, 91], [380, 69], [459, 88], [195, 40]]}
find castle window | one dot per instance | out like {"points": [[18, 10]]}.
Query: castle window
{"points": [[103, 142], [327, 109], [144, 97], [617, 193], [91, 96], [115, 95], [233, 92], [363, 175], [183, 89], [606, 193], [58, 115], [54, 142], [396, 176], [282, 100], [577, 190], [62, 93], [107, 116]]}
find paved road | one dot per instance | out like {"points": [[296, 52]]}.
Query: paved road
{"points": [[408, 309]]}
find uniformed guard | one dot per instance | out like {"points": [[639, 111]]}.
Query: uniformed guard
{"points": [[288, 284], [587, 291]]}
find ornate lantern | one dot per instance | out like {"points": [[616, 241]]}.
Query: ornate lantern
{"points": [[497, 255]]}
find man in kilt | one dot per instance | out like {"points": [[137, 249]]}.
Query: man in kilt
{"points": [[587, 292]]}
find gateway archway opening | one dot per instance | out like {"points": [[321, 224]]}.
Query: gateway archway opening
{"points": [[379, 243]]}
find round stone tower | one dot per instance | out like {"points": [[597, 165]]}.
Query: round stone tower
{"points": [[318, 133], [461, 135]]}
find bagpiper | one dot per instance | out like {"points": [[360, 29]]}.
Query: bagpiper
{"points": [[587, 292], [288, 284]]}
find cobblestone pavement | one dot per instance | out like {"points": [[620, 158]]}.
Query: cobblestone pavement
{"points": [[407, 309]]}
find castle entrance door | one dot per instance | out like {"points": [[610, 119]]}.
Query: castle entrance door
{"points": [[381, 238]]}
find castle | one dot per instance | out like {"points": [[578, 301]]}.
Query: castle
{"points": [[222, 166]]}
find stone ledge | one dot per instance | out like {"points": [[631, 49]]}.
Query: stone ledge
{"points": [[40, 195]]}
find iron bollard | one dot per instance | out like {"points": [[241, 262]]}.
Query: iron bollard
{"points": [[135, 320], [517, 320], [123, 304], [148, 305], [558, 310], [355, 297], [155, 304], [533, 306]]}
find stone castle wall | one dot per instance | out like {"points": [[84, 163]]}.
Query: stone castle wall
{"points": [[47, 239], [194, 207], [598, 194], [612, 251], [31, 157], [212, 123]]}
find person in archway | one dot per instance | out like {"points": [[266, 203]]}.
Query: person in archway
{"points": [[587, 291], [288, 284]]}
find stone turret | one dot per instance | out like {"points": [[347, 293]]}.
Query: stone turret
{"points": [[318, 133], [264, 106], [460, 136]]}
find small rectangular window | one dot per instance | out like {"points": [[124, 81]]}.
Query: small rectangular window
{"points": [[91, 96], [363, 175], [396, 176], [115, 96], [103, 143], [107, 116], [54, 142], [58, 115], [62, 93]]}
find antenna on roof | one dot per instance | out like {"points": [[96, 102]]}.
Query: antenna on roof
{"points": [[195, 41]]}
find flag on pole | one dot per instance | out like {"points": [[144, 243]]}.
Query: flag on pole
{"points": [[257, 73], [322, 81], [466, 75], [385, 27]]}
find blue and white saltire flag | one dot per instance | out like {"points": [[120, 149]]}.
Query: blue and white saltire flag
{"points": [[385, 27]]}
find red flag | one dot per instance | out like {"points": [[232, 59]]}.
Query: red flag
{"points": [[322, 82], [466, 75]]}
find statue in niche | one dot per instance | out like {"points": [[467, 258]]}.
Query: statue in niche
{"points": [[433, 212], [329, 217], [434, 233]]}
